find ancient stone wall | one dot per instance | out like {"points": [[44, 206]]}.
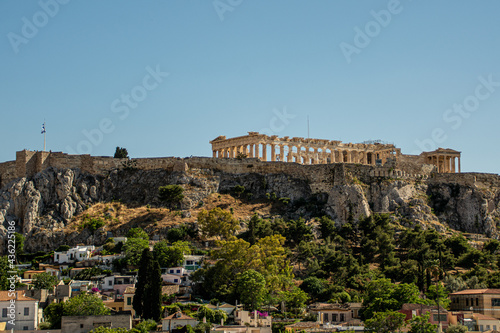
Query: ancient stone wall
{"points": [[320, 176], [8, 172]]}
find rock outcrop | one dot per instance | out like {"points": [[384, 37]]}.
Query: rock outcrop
{"points": [[44, 204]]}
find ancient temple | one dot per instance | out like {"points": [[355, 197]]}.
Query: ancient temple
{"points": [[318, 151]]}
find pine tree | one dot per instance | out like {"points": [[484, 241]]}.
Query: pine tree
{"points": [[147, 298]]}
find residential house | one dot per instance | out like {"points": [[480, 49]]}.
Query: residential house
{"points": [[192, 262], [79, 286], [177, 320], [226, 307], [336, 313], [128, 298], [254, 319], [172, 278], [84, 324], [117, 306], [31, 274], [117, 284], [483, 301], [24, 310], [175, 271], [78, 253], [51, 269], [474, 321], [437, 315]]}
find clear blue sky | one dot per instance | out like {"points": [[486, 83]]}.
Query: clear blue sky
{"points": [[360, 70]]}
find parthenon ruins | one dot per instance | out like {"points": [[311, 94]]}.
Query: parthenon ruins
{"points": [[318, 151]]}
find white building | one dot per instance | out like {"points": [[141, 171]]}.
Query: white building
{"points": [[79, 253], [192, 262], [14, 305]]}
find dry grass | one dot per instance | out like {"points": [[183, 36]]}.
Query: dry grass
{"points": [[121, 216]]}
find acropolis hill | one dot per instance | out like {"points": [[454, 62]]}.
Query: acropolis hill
{"points": [[44, 191], [385, 160]]}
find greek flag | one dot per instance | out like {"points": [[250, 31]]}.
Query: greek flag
{"points": [[43, 128]]}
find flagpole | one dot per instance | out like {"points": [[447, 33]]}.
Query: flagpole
{"points": [[44, 134]]}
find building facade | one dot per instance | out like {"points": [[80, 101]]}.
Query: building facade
{"points": [[483, 301]]}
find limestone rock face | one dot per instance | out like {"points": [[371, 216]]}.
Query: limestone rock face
{"points": [[42, 205]]}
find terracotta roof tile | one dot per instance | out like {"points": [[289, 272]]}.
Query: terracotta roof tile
{"points": [[476, 291], [20, 296]]}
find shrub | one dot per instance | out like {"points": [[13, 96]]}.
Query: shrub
{"points": [[171, 193], [93, 224], [284, 201]]}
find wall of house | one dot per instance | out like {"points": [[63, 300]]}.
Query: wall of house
{"points": [[84, 324]]}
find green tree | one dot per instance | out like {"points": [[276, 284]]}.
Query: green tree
{"points": [[19, 239], [44, 281], [137, 233], [251, 288], [385, 322], [295, 299], [172, 194], [421, 324], [85, 305], [217, 222], [211, 316], [4, 268], [53, 314], [121, 153], [267, 256], [382, 295], [145, 326], [133, 248], [327, 227], [170, 255], [456, 329], [314, 287], [147, 298]]}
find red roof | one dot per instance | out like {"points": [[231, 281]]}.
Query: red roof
{"points": [[179, 316], [19, 296], [476, 292]]}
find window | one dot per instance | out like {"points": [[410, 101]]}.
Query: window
{"points": [[477, 301], [487, 327], [467, 302], [342, 317], [334, 317], [4, 312], [110, 283], [176, 280], [494, 327], [26, 311], [178, 271], [481, 328], [325, 317], [442, 316], [25, 328], [81, 325], [495, 302]]}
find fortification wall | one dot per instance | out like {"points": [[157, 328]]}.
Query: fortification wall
{"points": [[320, 176], [8, 172], [469, 179]]}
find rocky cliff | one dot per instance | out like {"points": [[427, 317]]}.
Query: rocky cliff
{"points": [[44, 204]]}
